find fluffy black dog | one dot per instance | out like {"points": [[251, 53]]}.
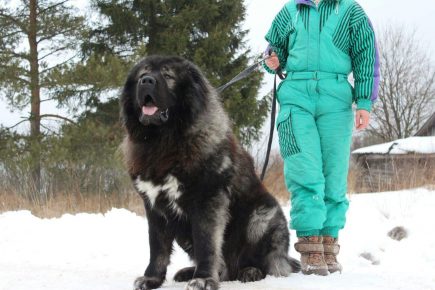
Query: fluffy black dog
{"points": [[198, 185]]}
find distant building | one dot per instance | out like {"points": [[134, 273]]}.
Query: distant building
{"points": [[428, 129], [399, 164]]}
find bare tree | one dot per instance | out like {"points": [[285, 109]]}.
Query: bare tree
{"points": [[407, 88]]}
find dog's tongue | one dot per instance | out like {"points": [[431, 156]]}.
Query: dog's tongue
{"points": [[149, 110]]}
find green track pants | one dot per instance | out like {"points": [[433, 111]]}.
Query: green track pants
{"points": [[315, 126]]}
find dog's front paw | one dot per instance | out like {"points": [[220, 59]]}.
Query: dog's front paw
{"points": [[146, 283], [202, 284], [250, 274]]}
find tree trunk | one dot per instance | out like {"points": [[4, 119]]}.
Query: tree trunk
{"points": [[152, 46], [35, 110]]}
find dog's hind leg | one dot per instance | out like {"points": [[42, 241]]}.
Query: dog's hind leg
{"points": [[160, 240], [281, 265], [277, 261]]}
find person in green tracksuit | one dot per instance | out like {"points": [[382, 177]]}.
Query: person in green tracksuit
{"points": [[318, 43]]}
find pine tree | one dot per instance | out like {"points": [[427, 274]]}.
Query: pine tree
{"points": [[38, 40], [207, 32]]}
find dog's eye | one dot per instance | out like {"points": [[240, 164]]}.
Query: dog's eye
{"points": [[167, 76]]}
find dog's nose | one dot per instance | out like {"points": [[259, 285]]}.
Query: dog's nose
{"points": [[148, 81]]}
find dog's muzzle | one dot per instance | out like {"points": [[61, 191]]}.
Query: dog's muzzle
{"points": [[151, 113], [148, 81]]}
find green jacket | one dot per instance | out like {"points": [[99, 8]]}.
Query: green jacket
{"points": [[335, 37]]}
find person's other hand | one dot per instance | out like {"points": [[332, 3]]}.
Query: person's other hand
{"points": [[272, 62], [362, 119]]}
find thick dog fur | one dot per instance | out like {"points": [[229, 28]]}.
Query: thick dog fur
{"points": [[198, 185]]}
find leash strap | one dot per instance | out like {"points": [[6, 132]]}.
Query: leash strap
{"points": [[272, 125], [242, 75]]}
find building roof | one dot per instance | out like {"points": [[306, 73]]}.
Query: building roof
{"points": [[426, 128], [420, 145]]}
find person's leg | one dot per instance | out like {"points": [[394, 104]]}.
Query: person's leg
{"points": [[334, 124], [335, 131], [300, 149]]}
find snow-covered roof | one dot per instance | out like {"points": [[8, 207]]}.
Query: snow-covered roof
{"points": [[421, 145]]}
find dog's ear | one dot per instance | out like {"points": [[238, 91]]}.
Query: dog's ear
{"points": [[195, 73], [198, 78]]}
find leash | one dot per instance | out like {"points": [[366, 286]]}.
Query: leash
{"points": [[272, 122], [272, 128], [245, 73]]}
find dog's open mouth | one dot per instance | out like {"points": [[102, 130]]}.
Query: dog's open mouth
{"points": [[149, 108], [151, 113]]}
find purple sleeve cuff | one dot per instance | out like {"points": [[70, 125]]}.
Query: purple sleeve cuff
{"points": [[376, 74]]}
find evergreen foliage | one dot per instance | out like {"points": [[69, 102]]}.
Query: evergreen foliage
{"points": [[49, 52]]}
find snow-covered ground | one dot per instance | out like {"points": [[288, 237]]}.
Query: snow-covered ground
{"points": [[107, 252]]}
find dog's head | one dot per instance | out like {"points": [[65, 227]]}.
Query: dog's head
{"points": [[162, 92]]}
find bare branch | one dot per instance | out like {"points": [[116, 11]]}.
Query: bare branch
{"points": [[59, 64], [56, 33], [53, 52], [57, 117], [51, 7], [46, 100], [22, 121]]}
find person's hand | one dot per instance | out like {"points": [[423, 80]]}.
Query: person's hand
{"points": [[362, 118], [272, 62]]}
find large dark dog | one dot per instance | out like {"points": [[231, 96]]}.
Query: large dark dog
{"points": [[198, 185]]}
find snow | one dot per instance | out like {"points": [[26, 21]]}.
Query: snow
{"points": [[422, 145], [107, 252]]}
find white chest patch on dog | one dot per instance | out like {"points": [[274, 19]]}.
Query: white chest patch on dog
{"points": [[152, 191], [149, 189], [171, 187]]}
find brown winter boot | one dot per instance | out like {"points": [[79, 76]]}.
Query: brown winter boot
{"points": [[312, 258], [331, 249]]}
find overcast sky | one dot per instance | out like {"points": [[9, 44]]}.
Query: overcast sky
{"points": [[260, 14]]}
